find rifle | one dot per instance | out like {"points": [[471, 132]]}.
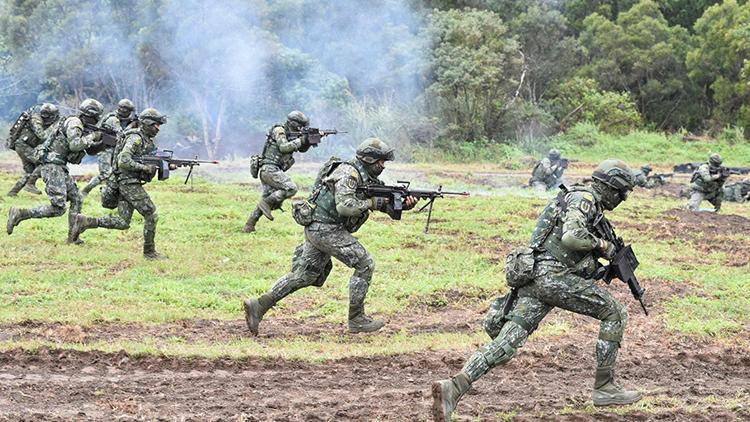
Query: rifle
{"points": [[108, 139], [312, 135], [660, 177], [624, 263], [396, 195], [686, 167], [163, 160], [728, 171]]}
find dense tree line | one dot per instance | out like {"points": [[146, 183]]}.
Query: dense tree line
{"points": [[415, 71]]}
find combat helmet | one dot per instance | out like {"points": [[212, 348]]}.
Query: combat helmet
{"points": [[554, 154], [371, 151], [715, 160], [49, 113], [150, 119], [297, 119], [91, 108], [125, 108], [646, 169], [613, 179]]}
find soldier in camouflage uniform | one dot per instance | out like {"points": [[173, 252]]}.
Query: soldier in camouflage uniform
{"points": [[125, 186], [118, 121], [338, 212], [566, 247], [641, 177], [548, 172], [276, 159], [64, 144], [737, 192], [31, 136], [707, 184]]}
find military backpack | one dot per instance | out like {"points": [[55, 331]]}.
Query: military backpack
{"points": [[15, 130]]}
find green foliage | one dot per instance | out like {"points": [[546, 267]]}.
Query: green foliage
{"points": [[581, 100], [471, 62], [720, 62]]}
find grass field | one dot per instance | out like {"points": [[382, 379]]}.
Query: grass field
{"points": [[102, 300]]}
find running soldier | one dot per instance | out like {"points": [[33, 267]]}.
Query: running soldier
{"points": [[30, 133]]}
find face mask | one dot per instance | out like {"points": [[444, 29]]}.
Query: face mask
{"points": [[611, 198], [151, 129], [374, 169]]}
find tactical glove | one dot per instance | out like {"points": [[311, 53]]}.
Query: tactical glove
{"points": [[377, 203], [607, 249]]}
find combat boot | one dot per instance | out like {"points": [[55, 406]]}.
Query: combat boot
{"points": [[32, 189], [359, 322], [16, 188], [446, 394], [265, 208], [252, 220], [81, 223], [254, 311], [15, 216], [149, 252], [607, 392]]}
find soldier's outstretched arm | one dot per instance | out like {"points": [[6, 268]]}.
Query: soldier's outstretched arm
{"points": [[285, 145], [76, 140]]}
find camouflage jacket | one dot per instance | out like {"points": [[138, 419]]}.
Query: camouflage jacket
{"points": [[338, 203], [126, 168], [278, 150], [707, 179], [114, 122], [66, 142], [566, 231]]}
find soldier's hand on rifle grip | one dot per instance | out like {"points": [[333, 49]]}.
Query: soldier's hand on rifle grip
{"points": [[410, 202], [172, 166], [607, 249], [378, 203]]}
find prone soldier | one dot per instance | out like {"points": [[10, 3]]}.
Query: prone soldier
{"points": [[737, 192], [330, 215], [30, 132], [561, 268], [65, 144], [117, 121]]}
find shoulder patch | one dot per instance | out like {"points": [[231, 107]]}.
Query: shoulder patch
{"points": [[586, 205]]}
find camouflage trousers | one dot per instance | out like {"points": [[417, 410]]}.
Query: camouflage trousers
{"points": [[553, 286], [311, 264], [104, 161], [60, 189], [129, 197], [31, 168], [696, 197], [277, 186], [737, 192]]}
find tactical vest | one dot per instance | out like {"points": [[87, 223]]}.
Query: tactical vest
{"points": [[325, 201], [147, 147], [56, 148], [272, 154], [706, 186], [547, 236]]}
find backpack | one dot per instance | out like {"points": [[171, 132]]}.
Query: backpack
{"points": [[15, 130], [302, 211]]}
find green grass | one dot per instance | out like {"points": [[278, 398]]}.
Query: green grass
{"points": [[214, 266]]}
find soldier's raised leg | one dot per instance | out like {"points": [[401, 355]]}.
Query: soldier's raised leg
{"points": [[694, 203], [56, 188], [280, 187], [310, 267]]}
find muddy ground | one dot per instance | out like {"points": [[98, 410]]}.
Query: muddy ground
{"points": [[684, 378]]}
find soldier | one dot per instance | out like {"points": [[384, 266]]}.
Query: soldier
{"points": [[707, 183], [337, 213], [642, 178], [565, 247], [548, 172], [64, 144], [276, 159], [125, 187], [737, 192], [32, 134], [117, 120]]}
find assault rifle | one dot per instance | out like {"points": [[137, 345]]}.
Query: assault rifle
{"points": [[624, 263], [164, 162], [397, 194], [660, 177], [728, 171], [312, 135], [108, 139]]}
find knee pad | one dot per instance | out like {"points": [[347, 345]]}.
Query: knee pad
{"points": [[290, 191], [613, 325], [498, 352], [364, 268]]}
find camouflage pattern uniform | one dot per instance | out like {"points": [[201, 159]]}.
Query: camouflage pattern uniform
{"points": [[737, 192], [707, 184], [338, 213], [30, 137], [547, 173], [66, 143], [118, 121], [642, 179], [276, 159], [566, 248], [125, 185]]}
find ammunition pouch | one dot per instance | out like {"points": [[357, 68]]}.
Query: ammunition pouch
{"points": [[110, 194], [496, 318], [255, 166], [75, 157], [519, 267], [302, 212]]}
